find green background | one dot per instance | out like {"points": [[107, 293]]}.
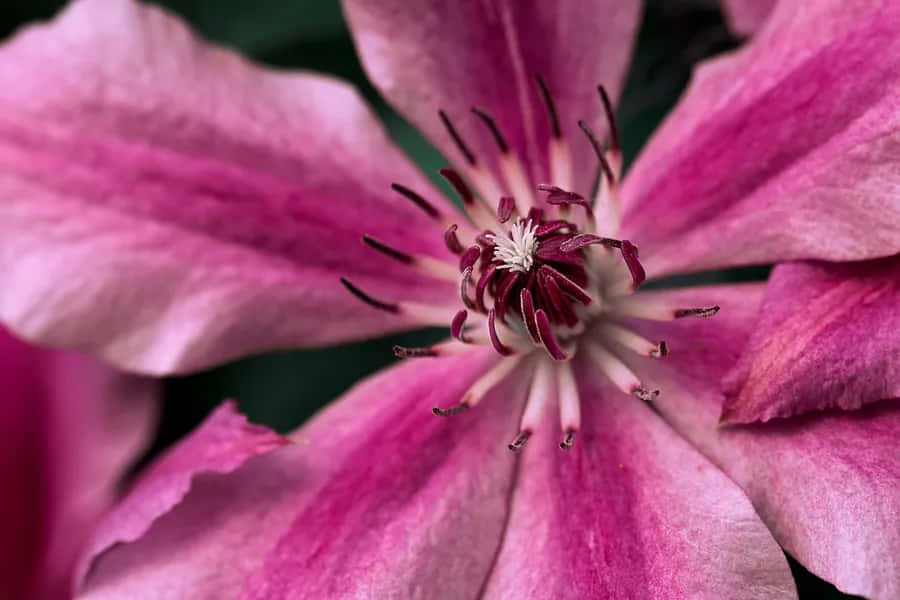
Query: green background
{"points": [[283, 389]]}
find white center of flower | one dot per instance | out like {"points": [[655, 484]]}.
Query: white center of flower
{"points": [[516, 252]]}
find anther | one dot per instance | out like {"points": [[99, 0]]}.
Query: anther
{"points": [[551, 107], [387, 250], [492, 125], [385, 306], [586, 239], [527, 306], [645, 394], [501, 349], [517, 444], [469, 258], [449, 412], [630, 254], [547, 337], [461, 187], [452, 241], [404, 352], [696, 312], [604, 164], [560, 196], [470, 158], [611, 119], [418, 200], [464, 288], [505, 208], [569, 440], [456, 326], [662, 349]]}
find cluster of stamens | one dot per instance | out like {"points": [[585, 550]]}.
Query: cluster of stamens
{"points": [[534, 275]]}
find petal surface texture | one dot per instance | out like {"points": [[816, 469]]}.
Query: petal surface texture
{"points": [[786, 149], [427, 56], [378, 498], [169, 205], [631, 511], [828, 337], [70, 428], [827, 484]]}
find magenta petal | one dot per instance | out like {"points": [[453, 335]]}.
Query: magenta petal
{"points": [[828, 337], [169, 205], [378, 498], [631, 511], [70, 429], [223, 443], [428, 56], [786, 149], [826, 484], [744, 17]]}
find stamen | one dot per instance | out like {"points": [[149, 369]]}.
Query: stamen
{"points": [[385, 306], [505, 208], [482, 284], [481, 386], [424, 264], [696, 312], [448, 348], [547, 337], [464, 288], [456, 326], [586, 239], [569, 403], [559, 196], [501, 349], [517, 444], [633, 341], [621, 376], [469, 258], [404, 352], [551, 107], [527, 306], [611, 119], [607, 170], [568, 285], [492, 125], [418, 200], [630, 254], [545, 229], [448, 125], [452, 241]]}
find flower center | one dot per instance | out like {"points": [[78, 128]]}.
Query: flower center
{"points": [[536, 281]]}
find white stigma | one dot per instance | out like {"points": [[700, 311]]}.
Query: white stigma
{"points": [[516, 253]]}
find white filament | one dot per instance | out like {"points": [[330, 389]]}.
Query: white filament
{"points": [[517, 253]]}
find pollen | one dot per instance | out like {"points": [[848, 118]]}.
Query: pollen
{"points": [[516, 252]]}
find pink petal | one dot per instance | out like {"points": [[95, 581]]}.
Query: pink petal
{"points": [[70, 429], [784, 150], [631, 511], [744, 17], [378, 498], [826, 484], [222, 444], [427, 56], [827, 338], [182, 206]]}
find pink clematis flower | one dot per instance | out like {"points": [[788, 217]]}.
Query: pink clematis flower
{"points": [[70, 429], [170, 206]]}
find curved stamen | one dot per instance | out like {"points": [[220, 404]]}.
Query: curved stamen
{"points": [[604, 164], [379, 304], [545, 229], [452, 241], [558, 196], [418, 200], [551, 107], [469, 258], [569, 286], [527, 307], [610, 118], [547, 337], [501, 349], [586, 239], [630, 254], [456, 326], [492, 125], [464, 288], [457, 139], [482, 285]]}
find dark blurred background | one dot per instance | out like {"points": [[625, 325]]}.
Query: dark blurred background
{"points": [[283, 389]]}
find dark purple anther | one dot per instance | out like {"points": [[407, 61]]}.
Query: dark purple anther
{"points": [[456, 326], [630, 254], [469, 257], [452, 241]]}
